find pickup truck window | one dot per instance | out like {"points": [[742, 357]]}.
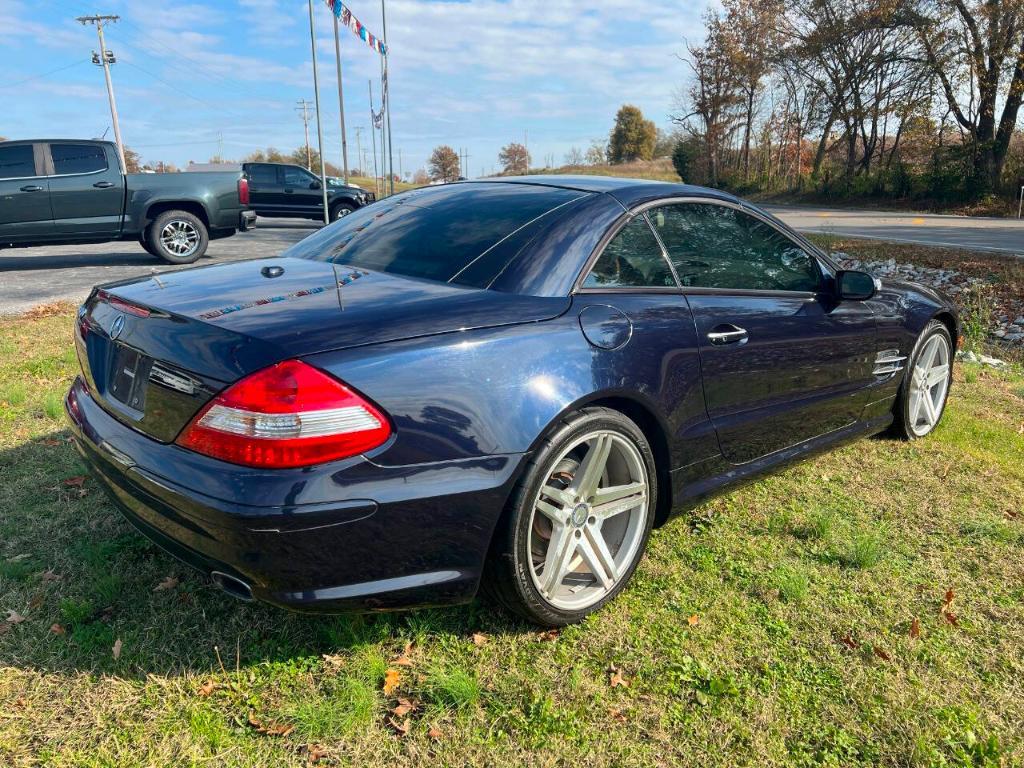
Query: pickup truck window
{"points": [[17, 162], [296, 177], [77, 158], [263, 174]]}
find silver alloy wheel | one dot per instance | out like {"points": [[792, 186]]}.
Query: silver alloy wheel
{"points": [[588, 520], [929, 385], [179, 237], [341, 212]]}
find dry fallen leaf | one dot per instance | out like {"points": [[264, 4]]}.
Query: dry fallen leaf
{"points": [[915, 628], [36, 600], [694, 620], [405, 659], [616, 714], [951, 618], [947, 601], [392, 679], [75, 482], [168, 582], [550, 634], [849, 642], [207, 688], [315, 753], [273, 729], [117, 649], [49, 575], [881, 653], [57, 629], [616, 679], [401, 728], [479, 638], [13, 617], [404, 708], [434, 733], [50, 442]]}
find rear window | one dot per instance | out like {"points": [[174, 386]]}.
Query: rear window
{"points": [[77, 158], [432, 233], [17, 162], [262, 174]]}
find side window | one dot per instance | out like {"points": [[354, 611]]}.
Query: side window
{"points": [[714, 246], [296, 177], [263, 174], [77, 158], [632, 259], [17, 162]]}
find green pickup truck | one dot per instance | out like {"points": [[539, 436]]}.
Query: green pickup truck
{"points": [[57, 191]]}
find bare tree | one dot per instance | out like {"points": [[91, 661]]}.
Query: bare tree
{"points": [[574, 157]]}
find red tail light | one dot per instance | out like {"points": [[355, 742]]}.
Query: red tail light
{"points": [[122, 305], [243, 191], [288, 415]]}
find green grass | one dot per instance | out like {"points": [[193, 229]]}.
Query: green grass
{"points": [[804, 586]]}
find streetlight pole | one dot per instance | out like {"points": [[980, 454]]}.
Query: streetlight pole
{"points": [[387, 97], [319, 122]]}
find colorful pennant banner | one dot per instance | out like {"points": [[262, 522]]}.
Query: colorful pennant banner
{"points": [[347, 19]]}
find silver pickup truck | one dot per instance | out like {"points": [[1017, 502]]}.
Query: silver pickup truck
{"points": [[56, 191]]}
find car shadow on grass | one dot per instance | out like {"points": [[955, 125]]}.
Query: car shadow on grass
{"points": [[97, 596]]}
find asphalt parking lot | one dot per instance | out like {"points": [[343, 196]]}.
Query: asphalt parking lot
{"points": [[33, 276]]}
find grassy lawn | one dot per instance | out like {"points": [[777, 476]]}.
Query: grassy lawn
{"points": [[866, 608]]}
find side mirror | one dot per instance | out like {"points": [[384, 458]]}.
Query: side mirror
{"points": [[315, 185], [856, 286]]}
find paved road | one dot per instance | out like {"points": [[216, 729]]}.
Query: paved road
{"points": [[33, 276], [978, 234]]}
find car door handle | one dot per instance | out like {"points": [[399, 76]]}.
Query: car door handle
{"points": [[32, 188], [727, 334], [103, 184]]}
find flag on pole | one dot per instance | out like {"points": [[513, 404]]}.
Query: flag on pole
{"points": [[358, 29]]}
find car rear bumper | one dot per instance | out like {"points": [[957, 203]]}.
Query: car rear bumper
{"points": [[351, 535], [246, 220]]}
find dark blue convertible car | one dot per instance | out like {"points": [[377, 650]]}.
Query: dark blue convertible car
{"points": [[505, 382]]}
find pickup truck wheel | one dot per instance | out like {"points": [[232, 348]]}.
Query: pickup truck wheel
{"points": [[144, 242], [177, 237], [341, 210]]}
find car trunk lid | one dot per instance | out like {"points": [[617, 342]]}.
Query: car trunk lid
{"points": [[154, 350]]}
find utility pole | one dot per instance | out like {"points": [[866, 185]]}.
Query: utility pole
{"points": [[341, 104], [359, 149], [373, 135], [304, 109], [106, 58], [402, 175]]}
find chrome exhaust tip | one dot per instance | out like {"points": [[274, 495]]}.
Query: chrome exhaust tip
{"points": [[233, 586]]}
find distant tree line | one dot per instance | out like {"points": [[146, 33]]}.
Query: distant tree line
{"points": [[894, 98]]}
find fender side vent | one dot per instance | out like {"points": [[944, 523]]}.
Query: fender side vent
{"points": [[889, 362]]}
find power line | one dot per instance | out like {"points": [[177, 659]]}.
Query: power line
{"points": [[44, 74]]}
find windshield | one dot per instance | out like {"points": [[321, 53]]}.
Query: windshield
{"points": [[432, 233]]}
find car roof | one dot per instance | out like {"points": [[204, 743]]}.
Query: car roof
{"points": [[57, 141], [625, 189]]}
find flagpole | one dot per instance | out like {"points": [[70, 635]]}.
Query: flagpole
{"points": [[341, 104], [387, 98], [319, 122]]}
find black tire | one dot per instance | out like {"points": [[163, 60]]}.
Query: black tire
{"points": [[507, 577], [903, 422], [144, 242], [186, 222], [341, 210]]}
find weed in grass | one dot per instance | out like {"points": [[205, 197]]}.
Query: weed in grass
{"points": [[14, 394], [53, 405], [208, 727], [976, 315], [780, 522], [792, 583], [76, 611], [818, 525], [979, 528], [17, 570], [106, 587], [864, 550], [341, 710], [451, 688], [970, 373]]}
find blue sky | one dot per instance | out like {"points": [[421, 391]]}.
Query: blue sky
{"points": [[474, 74]]}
